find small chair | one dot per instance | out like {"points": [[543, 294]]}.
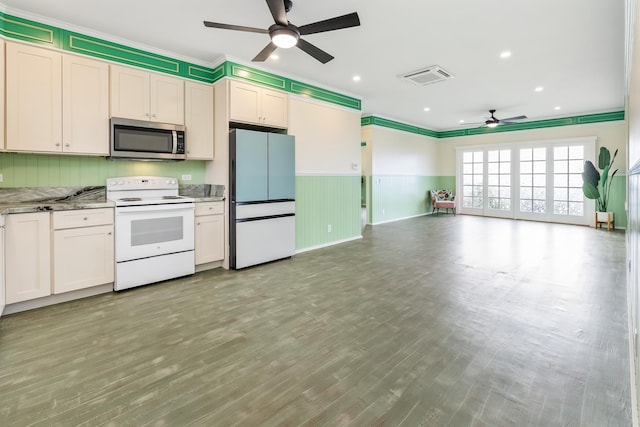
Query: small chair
{"points": [[443, 199]]}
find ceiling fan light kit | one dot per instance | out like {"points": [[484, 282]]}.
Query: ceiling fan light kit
{"points": [[285, 35], [493, 121]]}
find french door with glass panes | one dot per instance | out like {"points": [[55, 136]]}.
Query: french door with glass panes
{"points": [[537, 181]]}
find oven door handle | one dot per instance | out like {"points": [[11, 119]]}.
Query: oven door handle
{"points": [[155, 208]]}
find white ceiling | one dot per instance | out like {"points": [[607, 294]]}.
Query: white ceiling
{"points": [[572, 48]]}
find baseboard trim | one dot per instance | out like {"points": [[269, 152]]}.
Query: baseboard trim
{"points": [[399, 219], [57, 299], [326, 245]]}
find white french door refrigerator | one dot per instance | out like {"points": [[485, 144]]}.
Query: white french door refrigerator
{"points": [[262, 192]]}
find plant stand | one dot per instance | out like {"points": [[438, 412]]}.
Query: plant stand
{"points": [[605, 218]]}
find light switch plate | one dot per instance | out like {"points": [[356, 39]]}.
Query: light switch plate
{"points": [[186, 177]]}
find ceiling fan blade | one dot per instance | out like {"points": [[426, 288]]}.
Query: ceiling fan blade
{"points": [[278, 12], [235, 27], [337, 23], [314, 51], [508, 119], [265, 53], [472, 124]]}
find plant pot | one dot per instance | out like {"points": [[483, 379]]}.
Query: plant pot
{"points": [[605, 218]]}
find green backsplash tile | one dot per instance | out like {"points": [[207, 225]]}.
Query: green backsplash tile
{"points": [[41, 170]]}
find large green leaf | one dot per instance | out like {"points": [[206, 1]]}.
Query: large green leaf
{"points": [[590, 191], [604, 158], [604, 176], [590, 174]]}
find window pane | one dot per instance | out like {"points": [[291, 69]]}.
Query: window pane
{"points": [[560, 180], [493, 191], [467, 157], [526, 192], [576, 152], [494, 179], [493, 156], [505, 192], [505, 155], [561, 194], [526, 205], [494, 203], [576, 209], [526, 180], [560, 166], [477, 202], [467, 190], [539, 206], [505, 180], [539, 193], [575, 180], [477, 168], [539, 180], [505, 167], [478, 156], [467, 179], [539, 153], [505, 204], [467, 202], [477, 191], [539, 167], [467, 168], [575, 195], [560, 153], [478, 179], [526, 154], [576, 166], [526, 167], [560, 208], [493, 168]]}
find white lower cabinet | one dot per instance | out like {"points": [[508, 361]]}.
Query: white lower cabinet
{"points": [[209, 232], [83, 249], [28, 258]]}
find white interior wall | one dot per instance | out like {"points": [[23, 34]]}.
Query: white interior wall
{"points": [[609, 134], [327, 137], [403, 153]]}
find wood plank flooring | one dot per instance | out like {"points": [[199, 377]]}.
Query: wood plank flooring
{"points": [[432, 321]]}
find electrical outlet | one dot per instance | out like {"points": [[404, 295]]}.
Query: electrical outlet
{"points": [[329, 228], [1, 178], [186, 177]]}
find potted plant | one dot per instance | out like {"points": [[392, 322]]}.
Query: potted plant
{"points": [[597, 185]]}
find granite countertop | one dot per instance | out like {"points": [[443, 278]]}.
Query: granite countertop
{"points": [[47, 199]]}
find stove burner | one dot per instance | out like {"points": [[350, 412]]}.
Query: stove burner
{"points": [[130, 199], [172, 197]]}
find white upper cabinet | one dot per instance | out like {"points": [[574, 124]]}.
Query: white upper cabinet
{"points": [[56, 103], [85, 106], [34, 99], [141, 95], [199, 120], [254, 104]]}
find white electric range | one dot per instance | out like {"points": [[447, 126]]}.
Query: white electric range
{"points": [[154, 230]]}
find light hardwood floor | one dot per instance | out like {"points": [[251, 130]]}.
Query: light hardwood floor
{"points": [[432, 321]]}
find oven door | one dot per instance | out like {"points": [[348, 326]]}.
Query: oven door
{"points": [[146, 231]]}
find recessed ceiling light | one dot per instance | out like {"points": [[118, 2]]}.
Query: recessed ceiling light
{"points": [[461, 121], [556, 108], [539, 89], [274, 57], [505, 54], [427, 109], [356, 78]]}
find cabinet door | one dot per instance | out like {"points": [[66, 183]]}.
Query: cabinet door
{"points": [[282, 167], [34, 98], [199, 120], [244, 103], [129, 93], [28, 269], [274, 108], [209, 238], [85, 105], [82, 258], [167, 99], [249, 165]]}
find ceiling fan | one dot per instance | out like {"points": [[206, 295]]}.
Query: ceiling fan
{"points": [[286, 35], [493, 121]]}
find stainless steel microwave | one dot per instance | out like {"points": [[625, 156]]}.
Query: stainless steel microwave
{"points": [[138, 139]]}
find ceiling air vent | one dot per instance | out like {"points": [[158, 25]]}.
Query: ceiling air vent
{"points": [[428, 75]]}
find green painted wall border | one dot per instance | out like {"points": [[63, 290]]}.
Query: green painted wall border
{"points": [[538, 124], [35, 32]]}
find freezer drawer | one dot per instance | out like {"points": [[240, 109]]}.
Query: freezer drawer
{"points": [[264, 240]]}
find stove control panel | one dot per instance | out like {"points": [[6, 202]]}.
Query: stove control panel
{"points": [[141, 183]]}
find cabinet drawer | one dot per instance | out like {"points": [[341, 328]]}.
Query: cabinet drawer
{"points": [[209, 208], [82, 218]]}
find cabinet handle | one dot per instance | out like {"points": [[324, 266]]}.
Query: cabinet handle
{"points": [[85, 218], [57, 144], [198, 224], [67, 145], [109, 233], [147, 114], [153, 115]]}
